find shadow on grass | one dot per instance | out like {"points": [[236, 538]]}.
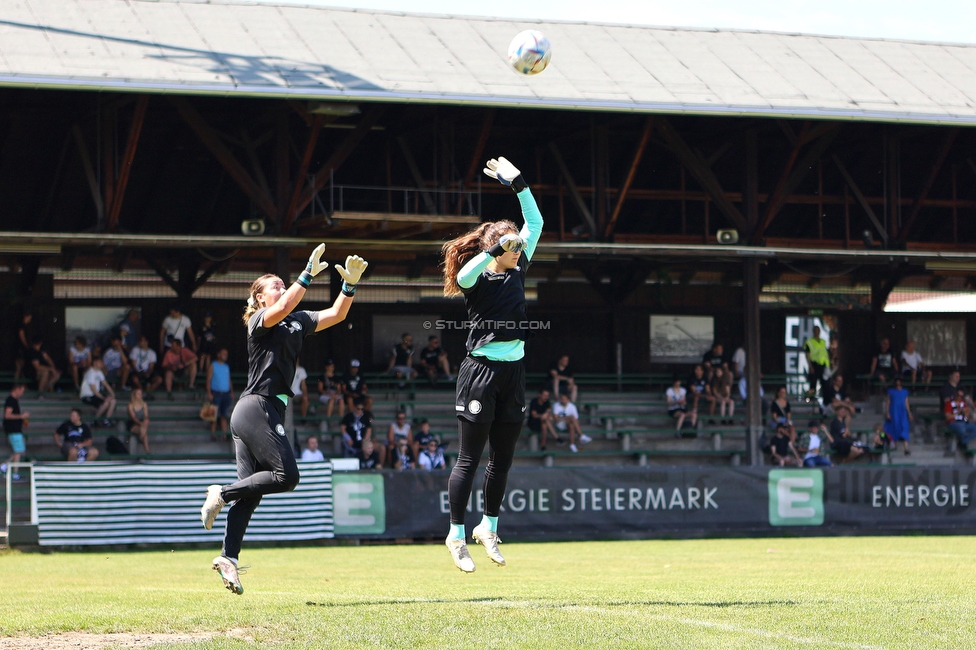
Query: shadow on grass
{"points": [[620, 603]]}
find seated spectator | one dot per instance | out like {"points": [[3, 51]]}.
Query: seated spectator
{"points": [[810, 445], [138, 424], [898, 414], [75, 439], [299, 390], [433, 361], [40, 364], [401, 359], [566, 419], [782, 450], [399, 430], [330, 390], [884, 366], [780, 412], [116, 365], [912, 365], [540, 418], [79, 359], [880, 438], [354, 387], [312, 453], [562, 378], [180, 361], [713, 359], [432, 457], [358, 426], [96, 392], [423, 436], [948, 390], [401, 457], [368, 457], [844, 447], [143, 360], [721, 385], [220, 391], [130, 329], [700, 390], [835, 395], [957, 417], [678, 404]]}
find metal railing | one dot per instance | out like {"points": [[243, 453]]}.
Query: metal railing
{"points": [[397, 200]]}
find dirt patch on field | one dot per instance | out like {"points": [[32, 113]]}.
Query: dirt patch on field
{"points": [[84, 641]]}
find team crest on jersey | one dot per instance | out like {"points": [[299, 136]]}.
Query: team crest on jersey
{"points": [[474, 407], [280, 430], [293, 326]]}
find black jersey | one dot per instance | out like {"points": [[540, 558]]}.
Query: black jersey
{"points": [[272, 352], [496, 306], [401, 354], [430, 357]]}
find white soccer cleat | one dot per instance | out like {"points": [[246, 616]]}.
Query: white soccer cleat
{"points": [[488, 539], [574, 449], [585, 438], [228, 573], [459, 551], [212, 506]]}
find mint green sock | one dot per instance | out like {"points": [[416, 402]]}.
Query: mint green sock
{"points": [[457, 531], [491, 522]]}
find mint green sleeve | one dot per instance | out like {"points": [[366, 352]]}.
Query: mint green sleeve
{"points": [[470, 272], [532, 230]]}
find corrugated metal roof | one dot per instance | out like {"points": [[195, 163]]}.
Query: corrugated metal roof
{"points": [[311, 52]]}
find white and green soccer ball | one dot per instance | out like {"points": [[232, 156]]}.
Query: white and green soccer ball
{"points": [[529, 52]]}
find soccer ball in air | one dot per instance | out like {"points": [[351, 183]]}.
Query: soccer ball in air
{"points": [[529, 52]]}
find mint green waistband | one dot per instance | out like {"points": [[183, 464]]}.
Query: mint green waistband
{"points": [[283, 398]]}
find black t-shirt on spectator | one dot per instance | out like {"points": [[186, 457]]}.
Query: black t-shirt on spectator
{"points": [[15, 425], [429, 357], [329, 383], [536, 410], [780, 412], [830, 393], [712, 359], [837, 429], [74, 434], [354, 383], [368, 462], [885, 360], [782, 445], [565, 372], [356, 427], [422, 439], [947, 392], [402, 354], [698, 384]]}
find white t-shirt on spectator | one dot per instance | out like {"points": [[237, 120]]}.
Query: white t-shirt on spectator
{"points": [[112, 359], [176, 328], [428, 460], [558, 410], [77, 356], [300, 375], [675, 397], [814, 449], [142, 359], [739, 362], [93, 377], [911, 360], [310, 456]]}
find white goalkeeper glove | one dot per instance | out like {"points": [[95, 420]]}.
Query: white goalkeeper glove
{"points": [[352, 273], [505, 173], [315, 266], [509, 243]]}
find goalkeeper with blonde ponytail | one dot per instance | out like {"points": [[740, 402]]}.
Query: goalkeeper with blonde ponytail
{"points": [[487, 266], [265, 460]]}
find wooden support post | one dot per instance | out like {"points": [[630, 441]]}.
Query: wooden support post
{"points": [[573, 189], [109, 124], [631, 173], [313, 138], [479, 151], [861, 199], [955, 209], [418, 178], [751, 287], [131, 145], [600, 185], [86, 164]]}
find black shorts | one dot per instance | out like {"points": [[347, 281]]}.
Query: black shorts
{"points": [[842, 447], [489, 391], [674, 412], [535, 424], [94, 400]]}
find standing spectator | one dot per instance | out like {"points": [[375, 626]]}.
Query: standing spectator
{"points": [[566, 418], [75, 439], [782, 450], [116, 365], [400, 430], [79, 359], [330, 390], [401, 457], [312, 453], [738, 370], [561, 374], [700, 390], [25, 339], [835, 395], [780, 412], [13, 426], [912, 365], [143, 360], [130, 329], [138, 424], [818, 360], [368, 457], [354, 387], [401, 359], [884, 366], [677, 398], [299, 389], [810, 445], [432, 457], [179, 359], [176, 327], [358, 426], [714, 359], [540, 418], [46, 373], [220, 390], [433, 361], [208, 342], [948, 390], [957, 417], [898, 414], [91, 393], [843, 446], [722, 390]]}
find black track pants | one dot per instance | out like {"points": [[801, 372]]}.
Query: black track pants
{"points": [[501, 438], [265, 463]]}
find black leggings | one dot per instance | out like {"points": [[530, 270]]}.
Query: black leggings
{"points": [[501, 438], [265, 463]]}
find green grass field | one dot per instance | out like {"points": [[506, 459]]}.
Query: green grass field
{"points": [[858, 592]]}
